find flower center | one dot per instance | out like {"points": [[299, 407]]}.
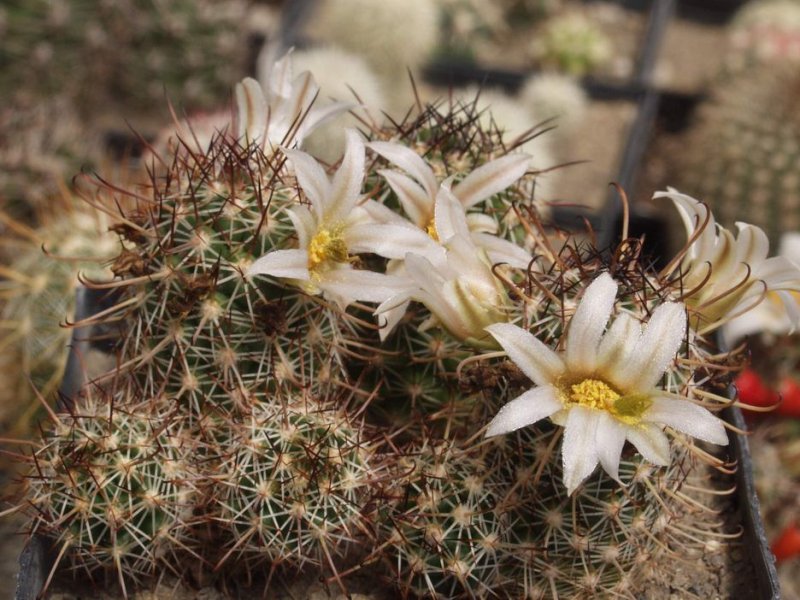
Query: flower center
{"points": [[597, 394], [326, 245], [593, 393], [430, 229]]}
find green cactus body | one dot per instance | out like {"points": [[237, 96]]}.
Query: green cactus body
{"points": [[443, 537], [38, 294], [202, 328], [313, 444], [597, 542], [299, 477], [112, 486]]}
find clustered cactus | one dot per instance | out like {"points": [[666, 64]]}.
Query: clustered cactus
{"points": [[308, 359]]}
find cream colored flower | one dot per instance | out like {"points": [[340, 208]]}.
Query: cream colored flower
{"points": [[338, 226], [603, 388], [779, 313], [285, 114], [722, 275], [419, 194], [456, 285]]}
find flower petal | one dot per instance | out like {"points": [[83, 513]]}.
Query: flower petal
{"points": [[537, 361], [449, 216], [688, 418], [617, 346], [588, 323], [390, 241], [391, 317], [694, 213], [319, 115], [312, 179], [610, 439], [287, 264], [415, 202], [408, 160], [304, 225], [491, 178], [651, 442], [346, 285], [655, 349], [251, 110], [379, 213], [526, 409], [578, 449], [346, 184], [502, 251], [752, 244], [482, 223], [779, 273]]}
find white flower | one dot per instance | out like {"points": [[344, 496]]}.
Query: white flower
{"points": [[336, 227], [458, 286], [602, 387], [285, 115], [779, 313], [419, 195], [724, 276]]}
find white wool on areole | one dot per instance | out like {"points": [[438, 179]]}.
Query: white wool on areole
{"points": [[341, 76], [556, 96]]}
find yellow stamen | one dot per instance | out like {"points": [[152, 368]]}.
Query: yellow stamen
{"points": [[326, 245], [430, 229], [593, 393]]}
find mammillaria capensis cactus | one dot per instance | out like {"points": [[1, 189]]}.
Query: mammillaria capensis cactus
{"points": [[254, 285]]}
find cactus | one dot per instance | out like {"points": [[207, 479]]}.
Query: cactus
{"points": [[309, 436], [299, 478], [110, 483], [40, 275], [747, 136], [443, 538], [763, 32], [392, 37], [573, 44], [202, 327]]}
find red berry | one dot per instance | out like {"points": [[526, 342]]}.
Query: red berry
{"points": [[753, 390], [788, 543], [790, 395]]}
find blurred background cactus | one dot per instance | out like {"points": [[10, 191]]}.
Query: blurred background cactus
{"points": [[40, 275], [134, 52], [748, 136], [743, 146]]}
